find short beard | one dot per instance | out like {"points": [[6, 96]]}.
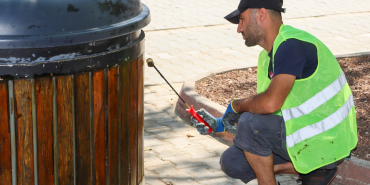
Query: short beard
{"points": [[253, 30]]}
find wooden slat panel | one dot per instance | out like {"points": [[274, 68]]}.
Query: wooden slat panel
{"points": [[44, 112], [99, 127], [140, 109], [24, 142], [113, 125], [82, 121], [133, 122], [65, 129], [5, 161], [125, 122]]}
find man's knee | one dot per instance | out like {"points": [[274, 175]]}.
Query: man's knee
{"points": [[227, 163], [235, 165]]}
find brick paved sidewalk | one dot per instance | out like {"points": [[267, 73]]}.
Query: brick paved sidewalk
{"points": [[189, 37], [173, 157], [185, 53]]}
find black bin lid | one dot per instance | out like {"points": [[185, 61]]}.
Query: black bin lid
{"points": [[68, 36], [50, 23]]}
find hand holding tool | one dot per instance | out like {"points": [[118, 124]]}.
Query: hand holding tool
{"points": [[214, 123], [191, 110]]}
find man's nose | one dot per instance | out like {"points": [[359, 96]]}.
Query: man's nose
{"points": [[240, 26]]}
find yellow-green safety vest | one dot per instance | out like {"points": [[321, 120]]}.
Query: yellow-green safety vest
{"points": [[319, 111]]}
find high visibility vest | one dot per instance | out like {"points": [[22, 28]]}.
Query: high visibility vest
{"points": [[319, 111]]}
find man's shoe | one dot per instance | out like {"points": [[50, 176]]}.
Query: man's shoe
{"points": [[318, 177]]}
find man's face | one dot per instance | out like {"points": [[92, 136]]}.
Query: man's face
{"points": [[249, 27]]}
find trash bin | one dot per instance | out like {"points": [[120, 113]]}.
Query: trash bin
{"points": [[71, 91]]}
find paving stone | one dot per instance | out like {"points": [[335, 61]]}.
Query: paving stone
{"points": [[150, 96], [181, 142], [165, 87], [152, 178], [164, 106], [167, 119], [196, 135], [151, 124], [183, 161], [176, 123], [180, 181], [167, 91], [217, 181], [152, 141], [151, 160], [213, 163], [170, 135], [147, 134], [169, 171], [167, 150], [150, 109], [153, 181], [219, 173], [171, 111], [200, 173], [199, 152], [155, 116], [212, 145], [158, 130], [159, 102], [177, 126]]}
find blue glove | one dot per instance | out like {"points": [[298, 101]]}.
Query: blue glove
{"points": [[220, 127], [214, 123], [230, 118], [217, 124], [229, 121], [229, 109]]}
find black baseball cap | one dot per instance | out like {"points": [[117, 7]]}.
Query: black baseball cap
{"points": [[245, 4]]}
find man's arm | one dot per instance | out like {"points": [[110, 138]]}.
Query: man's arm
{"points": [[271, 100]]}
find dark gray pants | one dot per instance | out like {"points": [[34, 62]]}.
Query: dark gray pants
{"points": [[261, 135]]}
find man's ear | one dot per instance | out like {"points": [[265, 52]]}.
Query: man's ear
{"points": [[262, 13]]}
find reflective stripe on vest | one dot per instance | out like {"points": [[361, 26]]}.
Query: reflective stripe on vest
{"points": [[317, 100], [321, 126]]}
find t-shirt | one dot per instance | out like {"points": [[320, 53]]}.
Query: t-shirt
{"points": [[294, 57]]}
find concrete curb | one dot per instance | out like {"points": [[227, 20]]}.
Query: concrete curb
{"points": [[351, 172], [352, 55]]}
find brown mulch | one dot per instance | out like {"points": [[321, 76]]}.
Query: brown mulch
{"points": [[222, 88]]}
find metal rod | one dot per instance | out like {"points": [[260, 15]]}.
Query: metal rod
{"points": [[170, 86], [151, 64]]}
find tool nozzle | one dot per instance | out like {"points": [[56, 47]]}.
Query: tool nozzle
{"points": [[150, 62]]}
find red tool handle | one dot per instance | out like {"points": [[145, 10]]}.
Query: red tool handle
{"points": [[198, 118]]}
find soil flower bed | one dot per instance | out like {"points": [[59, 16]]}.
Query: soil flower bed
{"points": [[224, 87]]}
